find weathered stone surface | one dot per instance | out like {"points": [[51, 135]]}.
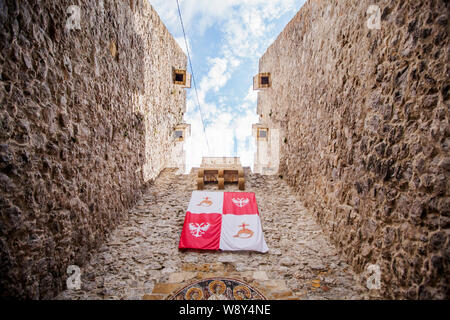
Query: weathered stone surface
{"points": [[364, 120], [260, 275], [287, 261], [82, 130], [86, 119], [154, 226]]}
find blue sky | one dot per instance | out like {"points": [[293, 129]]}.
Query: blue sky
{"points": [[226, 38]]}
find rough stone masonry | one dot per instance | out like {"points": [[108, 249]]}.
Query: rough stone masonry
{"points": [[364, 111], [140, 258], [86, 115]]}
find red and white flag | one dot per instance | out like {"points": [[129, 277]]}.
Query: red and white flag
{"points": [[223, 220]]}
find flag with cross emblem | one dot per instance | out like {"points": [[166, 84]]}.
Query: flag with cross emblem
{"points": [[227, 221]]}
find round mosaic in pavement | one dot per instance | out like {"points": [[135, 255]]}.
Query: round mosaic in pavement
{"points": [[217, 289]]}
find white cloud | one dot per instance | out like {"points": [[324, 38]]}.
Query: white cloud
{"points": [[221, 133], [217, 76], [198, 15], [246, 28], [252, 95]]}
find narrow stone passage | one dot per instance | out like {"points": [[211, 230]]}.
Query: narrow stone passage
{"points": [[141, 257]]}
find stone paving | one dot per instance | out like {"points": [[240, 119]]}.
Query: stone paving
{"points": [[141, 259]]}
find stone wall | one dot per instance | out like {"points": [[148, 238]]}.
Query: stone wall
{"points": [[366, 133], [141, 259], [86, 120]]}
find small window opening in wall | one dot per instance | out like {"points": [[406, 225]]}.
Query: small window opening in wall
{"points": [[262, 133], [179, 135], [264, 80], [179, 77], [261, 81]]}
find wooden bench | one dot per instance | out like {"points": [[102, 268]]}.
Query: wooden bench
{"points": [[220, 176]]}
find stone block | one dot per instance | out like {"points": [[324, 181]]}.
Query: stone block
{"points": [[165, 288]]}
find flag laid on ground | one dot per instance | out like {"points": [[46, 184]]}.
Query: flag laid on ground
{"points": [[223, 220]]}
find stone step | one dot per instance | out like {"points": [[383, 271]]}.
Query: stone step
{"points": [[270, 288], [153, 297], [165, 288]]}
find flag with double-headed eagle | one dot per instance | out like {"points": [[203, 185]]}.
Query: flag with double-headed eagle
{"points": [[223, 221]]}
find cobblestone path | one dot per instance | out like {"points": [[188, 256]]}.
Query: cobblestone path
{"points": [[141, 259]]}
